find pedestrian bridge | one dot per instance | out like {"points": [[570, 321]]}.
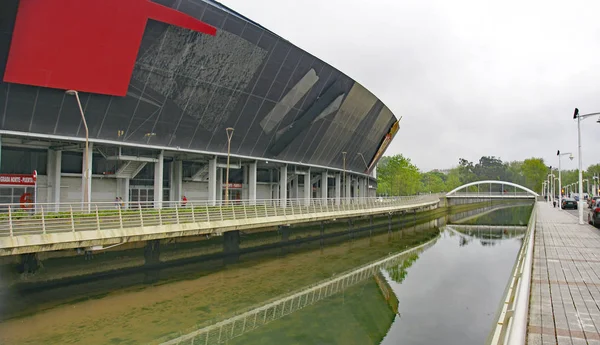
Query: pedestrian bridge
{"points": [[95, 226], [491, 189]]}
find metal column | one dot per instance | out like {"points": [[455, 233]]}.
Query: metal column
{"points": [[252, 182], [307, 188], [283, 185], [54, 168], [324, 186], [338, 188], [176, 193], [212, 181], [158, 180]]}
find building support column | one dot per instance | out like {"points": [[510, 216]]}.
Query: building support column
{"points": [[307, 188], [355, 187], [324, 186], [220, 184], [176, 193], [252, 183], [158, 180], [338, 188], [54, 168], [87, 180], [212, 181], [283, 186], [245, 183], [296, 187], [123, 190], [347, 185]]}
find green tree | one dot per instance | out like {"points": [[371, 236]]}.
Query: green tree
{"points": [[396, 175], [534, 172], [433, 182]]}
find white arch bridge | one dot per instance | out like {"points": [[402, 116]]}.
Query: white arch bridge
{"points": [[491, 189]]}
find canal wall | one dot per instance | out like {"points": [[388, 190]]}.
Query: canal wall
{"points": [[143, 261]]}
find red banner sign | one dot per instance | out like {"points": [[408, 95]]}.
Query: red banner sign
{"points": [[17, 179], [234, 185]]}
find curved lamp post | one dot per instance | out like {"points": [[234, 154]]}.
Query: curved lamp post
{"points": [[579, 117], [85, 172], [229, 132], [559, 175]]}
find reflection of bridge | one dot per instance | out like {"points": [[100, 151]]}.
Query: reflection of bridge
{"points": [[488, 232], [493, 190], [101, 225], [248, 321]]}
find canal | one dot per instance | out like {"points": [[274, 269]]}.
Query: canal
{"points": [[429, 278]]}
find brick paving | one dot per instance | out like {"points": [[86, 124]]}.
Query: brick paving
{"points": [[564, 306]]}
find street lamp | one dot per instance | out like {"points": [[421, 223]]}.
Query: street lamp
{"points": [[595, 178], [229, 132], [85, 171], [559, 174], [579, 117]]}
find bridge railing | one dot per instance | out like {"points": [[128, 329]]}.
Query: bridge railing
{"points": [[498, 194], [41, 218]]}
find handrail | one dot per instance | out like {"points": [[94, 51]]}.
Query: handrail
{"points": [[511, 325], [47, 218]]}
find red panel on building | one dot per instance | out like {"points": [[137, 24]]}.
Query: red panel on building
{"points": [[85, 45]]}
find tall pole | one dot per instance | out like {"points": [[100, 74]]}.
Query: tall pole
{"points": [[85, 171], [580, 202], [229, 132], [559, 184]]}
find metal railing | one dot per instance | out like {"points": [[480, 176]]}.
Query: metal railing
{"points": [[20, 219], [252, 319], [511, 326], [491, 194]]}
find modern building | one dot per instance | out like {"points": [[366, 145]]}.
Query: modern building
{"points": [[158, 83]]}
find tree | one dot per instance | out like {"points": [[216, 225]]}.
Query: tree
{"points": [[534, 172], [396, 175], [433, 182]]}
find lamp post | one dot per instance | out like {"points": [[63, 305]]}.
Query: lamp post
{"points": [[229, 132], [595, 178], [85, 171], [544, 189], [587, 190], [559, 174], [579, 117]]}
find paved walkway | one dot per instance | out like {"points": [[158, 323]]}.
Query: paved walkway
{"points": [[565, 288]]}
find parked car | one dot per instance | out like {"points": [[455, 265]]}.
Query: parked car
{"points": [[592, 202], [594, 216], [568, 203]]}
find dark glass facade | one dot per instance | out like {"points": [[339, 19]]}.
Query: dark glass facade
{"points": [[187, 87]]}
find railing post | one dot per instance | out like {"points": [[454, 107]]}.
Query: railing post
{"points": [[10, 221], [72, 218], [120, 218], [193, 215], [221, 210], [207, 213], [141, 216], [177, 211], [255, 210], [160, 222], [266, 213], [43, 220], [233, 210], [98, 217], [292, 204], [275, 208], [244, 206]]}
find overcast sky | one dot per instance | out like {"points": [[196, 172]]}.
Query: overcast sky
{"points": [[469, 77]]}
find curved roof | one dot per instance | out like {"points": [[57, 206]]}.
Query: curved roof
{"points": [[186, 86]]}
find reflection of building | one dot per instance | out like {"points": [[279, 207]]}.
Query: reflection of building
{"points": [[159, 82]]}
